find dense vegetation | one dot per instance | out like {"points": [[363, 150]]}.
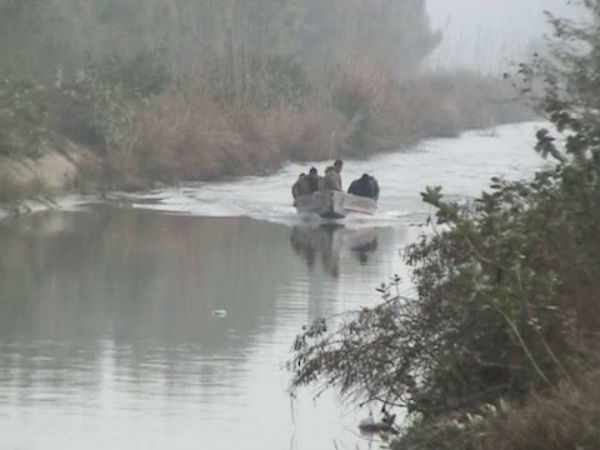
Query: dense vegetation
{"points": [[185, 90], [497, 348]]}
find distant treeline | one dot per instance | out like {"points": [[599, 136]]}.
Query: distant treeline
{"points": [[185, 90], [40, 37]]}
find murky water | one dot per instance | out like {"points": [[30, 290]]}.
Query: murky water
{"points": [[108, 337]]}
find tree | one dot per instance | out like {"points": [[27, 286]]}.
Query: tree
{"points": [[37, 37], [392, 32]]}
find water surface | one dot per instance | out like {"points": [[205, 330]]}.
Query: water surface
{"points": [[107, 334]]}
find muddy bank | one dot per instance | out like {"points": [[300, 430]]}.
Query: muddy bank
{"points": [[32, 184]]}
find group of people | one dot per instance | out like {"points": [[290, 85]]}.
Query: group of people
{"points": [[365, 186], [313, 182]]}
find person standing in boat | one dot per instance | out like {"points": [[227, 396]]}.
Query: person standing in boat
{"points": [[300, 187], [312, 180], [333, 179]]}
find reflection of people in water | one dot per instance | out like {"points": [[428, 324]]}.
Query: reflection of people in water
{"points": [[310, 241], [303, 246], [330, 252], [362, 251], [328, 240]]}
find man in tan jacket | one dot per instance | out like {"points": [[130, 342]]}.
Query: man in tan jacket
{"points": [[333, 179], [300, 187]]}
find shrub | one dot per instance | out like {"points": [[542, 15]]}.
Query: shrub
{"points": [[10, 189], [145, 75], [358, 91], [91, 112], [315, 132], [97, 107], [23, 117], [567, 417], [194, 138], [14, 190]]}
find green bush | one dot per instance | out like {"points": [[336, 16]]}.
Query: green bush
{"points": [[97, 106], [142, 76], [93, 112], [23, 117]]}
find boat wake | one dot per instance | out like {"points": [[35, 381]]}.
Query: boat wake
{"points": [[463, 166]]}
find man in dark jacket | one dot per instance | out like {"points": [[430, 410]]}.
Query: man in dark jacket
{"points": [[365, 186], [312, 180]]}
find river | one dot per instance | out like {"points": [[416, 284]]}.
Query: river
{"points": [[108, 337]]}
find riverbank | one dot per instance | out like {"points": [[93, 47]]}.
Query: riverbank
{"points": [[268, 197], [31, 184], [492, 147], [92, 135]]}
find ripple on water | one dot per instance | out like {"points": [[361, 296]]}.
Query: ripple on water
{"points": [[106, 328]]}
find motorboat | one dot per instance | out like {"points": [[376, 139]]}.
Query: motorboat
{"points": [[335, 204]]}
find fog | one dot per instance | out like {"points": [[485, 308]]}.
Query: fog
{"points": [[37, 37], [487, 35], [478, 34]]}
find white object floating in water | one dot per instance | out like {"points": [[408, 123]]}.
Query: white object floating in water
{"points": [[219, 313]]}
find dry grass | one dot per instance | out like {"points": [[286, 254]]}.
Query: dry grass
{"points": [[566, 418], [10, 189], [14, 190], [314, 133], [473, 101], [196, 139], [358, 109], [374, 106]]}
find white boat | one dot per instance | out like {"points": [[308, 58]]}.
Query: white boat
{"points": [[335, 204]]}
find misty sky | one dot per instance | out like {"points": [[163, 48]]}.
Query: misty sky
{"points": [[487, 34]]}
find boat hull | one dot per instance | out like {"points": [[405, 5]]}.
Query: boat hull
{"points": [[335, 204]]}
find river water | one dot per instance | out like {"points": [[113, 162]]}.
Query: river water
{"points": [[108, 337]]}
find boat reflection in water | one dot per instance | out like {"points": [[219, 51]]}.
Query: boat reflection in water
{"points": [[328, 241], [363, 246]]}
